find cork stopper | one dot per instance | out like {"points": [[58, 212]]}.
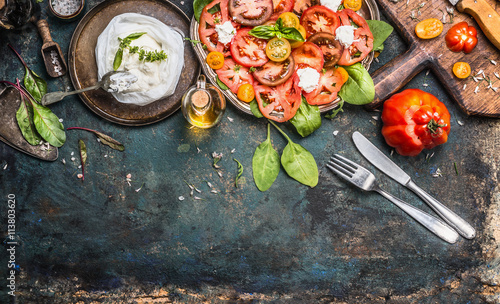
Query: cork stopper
{"points": [[2, 4], [200, 99]]}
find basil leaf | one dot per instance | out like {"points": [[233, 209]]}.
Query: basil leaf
{"points": [[135, 36], [240, 172], [34, 84], [24, 117], [118, 59], [307, 119], [254, 107], [279, 24], [380, 30], [265, 163], [359, 88], [263, 32], [198, 6], [214, 9], [83, 156], [299, 163], [221, 84], [292, 33], [48, 126]]}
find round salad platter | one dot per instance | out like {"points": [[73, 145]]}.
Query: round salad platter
{"points": [[369, 11], [83, 66]]}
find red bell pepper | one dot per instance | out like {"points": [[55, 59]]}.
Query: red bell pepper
{"points": [[461, 37], [414, 120]]}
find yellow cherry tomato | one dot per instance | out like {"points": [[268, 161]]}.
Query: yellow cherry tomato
{"points": [[246, 92], [278, 49], [295, 43], [429, 28], [461, 70], [290, 20], [343, 73], [215, 60], [355, 5]]}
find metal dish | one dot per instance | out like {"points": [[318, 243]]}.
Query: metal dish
{"points": [[368, 11], [83, 67]]}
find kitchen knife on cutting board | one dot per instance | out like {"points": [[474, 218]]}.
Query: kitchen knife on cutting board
{"points": [[485, 15]]}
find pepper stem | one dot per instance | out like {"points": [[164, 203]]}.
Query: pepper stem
{"points": [[434, 125]]}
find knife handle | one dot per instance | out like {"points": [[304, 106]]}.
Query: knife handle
{"points": [[459, 224], [485, 15]]}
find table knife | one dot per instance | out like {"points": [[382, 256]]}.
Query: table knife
{"points": [[384, 164], [485, 15]]}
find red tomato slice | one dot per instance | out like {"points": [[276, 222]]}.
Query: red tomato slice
{"points": [[275, 73], [319, 19], [208, 21], [308, 55], [279, 103], [280, 7], [363, 38], [329, 85], [247, 50], [250, 12], [234, 75], [301, 5]]}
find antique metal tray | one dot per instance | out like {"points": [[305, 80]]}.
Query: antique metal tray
{"points": [[368, 11], [83, 67]]}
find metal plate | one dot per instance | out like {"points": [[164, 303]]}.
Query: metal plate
{"points": [[368, 11], [83, 67]]}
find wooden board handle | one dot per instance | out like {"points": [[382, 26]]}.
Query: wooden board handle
{"points": [[394, 75], [485, 15], [43, 28]]}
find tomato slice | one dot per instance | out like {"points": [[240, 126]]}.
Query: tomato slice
{"points": [[234, 75], [247, 50], [319, 19], [250, 12], [363, 38], [308, 55], [331, 48], [301, 5], [329, 85], [214, 13], [279, 103], [275, 73], [280, 7]]}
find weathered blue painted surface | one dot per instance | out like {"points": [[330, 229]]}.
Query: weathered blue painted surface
{"points": [[110, 241]]}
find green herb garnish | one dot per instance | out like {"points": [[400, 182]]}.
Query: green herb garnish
{"points": [[240, 172], [147, 56], [336, 110], [276, 30]]}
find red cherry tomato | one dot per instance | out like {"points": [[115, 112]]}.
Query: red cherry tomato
{"points": [[461, 37], [319, 19]]}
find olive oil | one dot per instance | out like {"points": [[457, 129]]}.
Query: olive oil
{"points": [[203, 105]]}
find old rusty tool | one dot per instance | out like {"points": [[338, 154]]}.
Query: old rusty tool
{"points": [[51, 52]]}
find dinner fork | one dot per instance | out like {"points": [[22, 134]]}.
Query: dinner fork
{"points": [[364, 179]]}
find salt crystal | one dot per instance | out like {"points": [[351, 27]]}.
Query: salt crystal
{"points": [[460, 122], [73, 159], [230, 119], [72, 153], [79, 167], [63, 161], [61, 120], [214, 191], [106, 155], [197, 198], [209, 184], [425, 85], [5, 167], [335, 132], [465, 85], [181, 198], [375, 117], [232, 151]]}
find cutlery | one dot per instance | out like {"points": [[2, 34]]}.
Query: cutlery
{"points": [[365, 180], [384, 164], [485, 15]]}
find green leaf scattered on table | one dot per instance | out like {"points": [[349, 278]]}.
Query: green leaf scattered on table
{"points": [[380, 30], [103, 139], [298, 163], [198, 6], [359, 88], [265, 163], [83, 156], [307, 119], [24, 117], [240, 172], [48, 125]]}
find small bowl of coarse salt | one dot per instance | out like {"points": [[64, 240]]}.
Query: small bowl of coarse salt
{"points": [[67, 10]]}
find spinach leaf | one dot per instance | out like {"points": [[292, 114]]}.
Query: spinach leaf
{"points": [[298, 163], [359, 88], [221, 84], [307, 119], [265, 163], [214, 9], [240, 172], [380, 30], [83, 156], [24, 117], [48, 125], [254, 107], [198, 6]]}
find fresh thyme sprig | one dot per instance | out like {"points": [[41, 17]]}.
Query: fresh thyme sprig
{"points": [[147, 56]]}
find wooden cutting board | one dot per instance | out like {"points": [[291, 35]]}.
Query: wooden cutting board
{"points": [[433, 54]]}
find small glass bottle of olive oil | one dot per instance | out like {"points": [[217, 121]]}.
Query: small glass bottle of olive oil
{"points": [[203, 105]]}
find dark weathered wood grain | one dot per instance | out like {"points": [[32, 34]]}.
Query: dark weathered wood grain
{"points": [[433, 54]]}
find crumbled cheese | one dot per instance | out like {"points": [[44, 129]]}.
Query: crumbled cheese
{"points": [[345, 35], [332, 4], [309, 79], [225, 32]]}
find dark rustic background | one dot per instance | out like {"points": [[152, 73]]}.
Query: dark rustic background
{"points": [[104, 240]]}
